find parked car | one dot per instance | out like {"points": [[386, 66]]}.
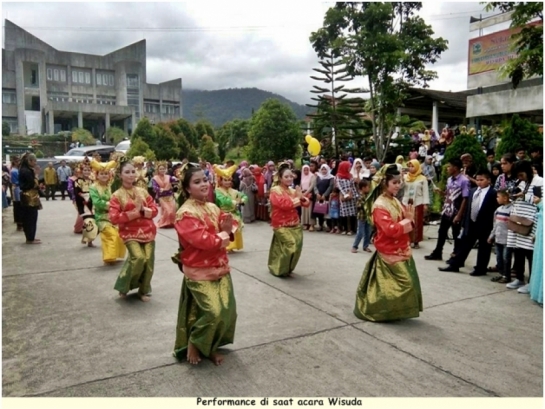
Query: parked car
{"points": [[78, 154], [123, 146]]}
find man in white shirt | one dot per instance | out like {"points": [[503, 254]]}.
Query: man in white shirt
{"points": [[478, 223], [422, 152]]}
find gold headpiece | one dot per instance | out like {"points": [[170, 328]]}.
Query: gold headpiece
{"points": [[225, 173], [138, 160], [160, 163], [103, 166]]}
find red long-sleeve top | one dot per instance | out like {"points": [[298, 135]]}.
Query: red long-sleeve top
{"points": [[142, 229], [284, 205]]}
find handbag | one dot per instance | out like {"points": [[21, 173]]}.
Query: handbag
{"points": [[520, 225], [321, 207]]}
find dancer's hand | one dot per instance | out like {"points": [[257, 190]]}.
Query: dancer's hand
{"points": [[409, 212], [298, 192], [147, 212], [227, 224]]}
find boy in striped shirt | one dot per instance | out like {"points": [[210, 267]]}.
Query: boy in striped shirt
{"points": [[498, 236]]}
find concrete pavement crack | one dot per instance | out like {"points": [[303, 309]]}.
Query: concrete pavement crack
{"points": [[469, 298]]}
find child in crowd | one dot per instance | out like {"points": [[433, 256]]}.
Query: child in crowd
{"points": [[522, 245], [496, 171], [364, 228], [334, 208], [498, 235]]}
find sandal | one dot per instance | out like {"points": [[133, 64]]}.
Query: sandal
{"points": [[504, 280], [311, 229], [496, 279], [416, 246]]}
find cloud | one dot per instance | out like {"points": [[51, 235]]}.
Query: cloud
{"points": [[214, 45]]}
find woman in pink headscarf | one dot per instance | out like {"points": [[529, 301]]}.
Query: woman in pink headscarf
{"points": [[308, 182]]}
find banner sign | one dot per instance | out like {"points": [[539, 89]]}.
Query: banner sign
{"points": [[490, 52]]}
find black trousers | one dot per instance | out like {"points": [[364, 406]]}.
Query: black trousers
{"points": [[521, 255], [468, 241], [17, 214], [30, 221], [446, 224], [63, 187]]}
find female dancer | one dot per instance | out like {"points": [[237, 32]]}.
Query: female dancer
{"points": [[84, 204], [416, 193], [141, 173], [100, 193], [287, 242], [229, 200], [207, 314], [389, 288], [162, 185], [133, 210]]}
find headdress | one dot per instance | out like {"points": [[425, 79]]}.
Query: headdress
{"points": [[181, 176], [225, 173], [158, 164], [103, 166], [138, 160]]}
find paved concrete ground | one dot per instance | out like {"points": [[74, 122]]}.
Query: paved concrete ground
{"points": [[66, 333]]}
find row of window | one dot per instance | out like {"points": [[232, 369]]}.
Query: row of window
{"points": [[80, 77], [167, 109], [83, 98]]}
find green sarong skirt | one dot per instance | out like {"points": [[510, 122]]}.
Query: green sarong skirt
{"points": [[137, 269], [286, 247], [207, 316], [388, 292]]}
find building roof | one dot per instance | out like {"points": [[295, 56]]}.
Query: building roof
{"points": [[446, 98]]}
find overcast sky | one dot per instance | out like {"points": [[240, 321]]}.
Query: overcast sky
{"points": [[229, 44]]}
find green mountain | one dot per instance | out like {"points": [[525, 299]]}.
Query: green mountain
{"points": [[224, 105]]}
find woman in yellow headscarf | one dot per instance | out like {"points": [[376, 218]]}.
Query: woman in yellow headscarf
{"points": [[416, 193]]}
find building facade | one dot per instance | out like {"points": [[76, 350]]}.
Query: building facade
{"points": [[494, 98], [46, 91]]}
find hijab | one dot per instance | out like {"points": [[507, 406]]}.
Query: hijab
{"points": [[344, 170], [363, 173], [416, 176], [305, 179], [326, 177]]}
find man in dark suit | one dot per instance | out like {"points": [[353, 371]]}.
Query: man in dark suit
{"points": [[478, 223]]}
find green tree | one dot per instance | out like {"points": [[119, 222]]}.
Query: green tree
{"points": [[387, 43], [114, 135], [520, 133], [145, 131], [83, 136], [208, 150], [165, 147], [140, 148], [189, 132], [5, 129], [463, 143], [204, 127], [274, 133], [528, 43], [334, 110], [186, 150]]}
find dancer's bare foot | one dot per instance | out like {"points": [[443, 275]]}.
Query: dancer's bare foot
{"points": [[145, 298], [193, 354], [90, 244], [37, 241], [122, 295], [216, 358]]}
